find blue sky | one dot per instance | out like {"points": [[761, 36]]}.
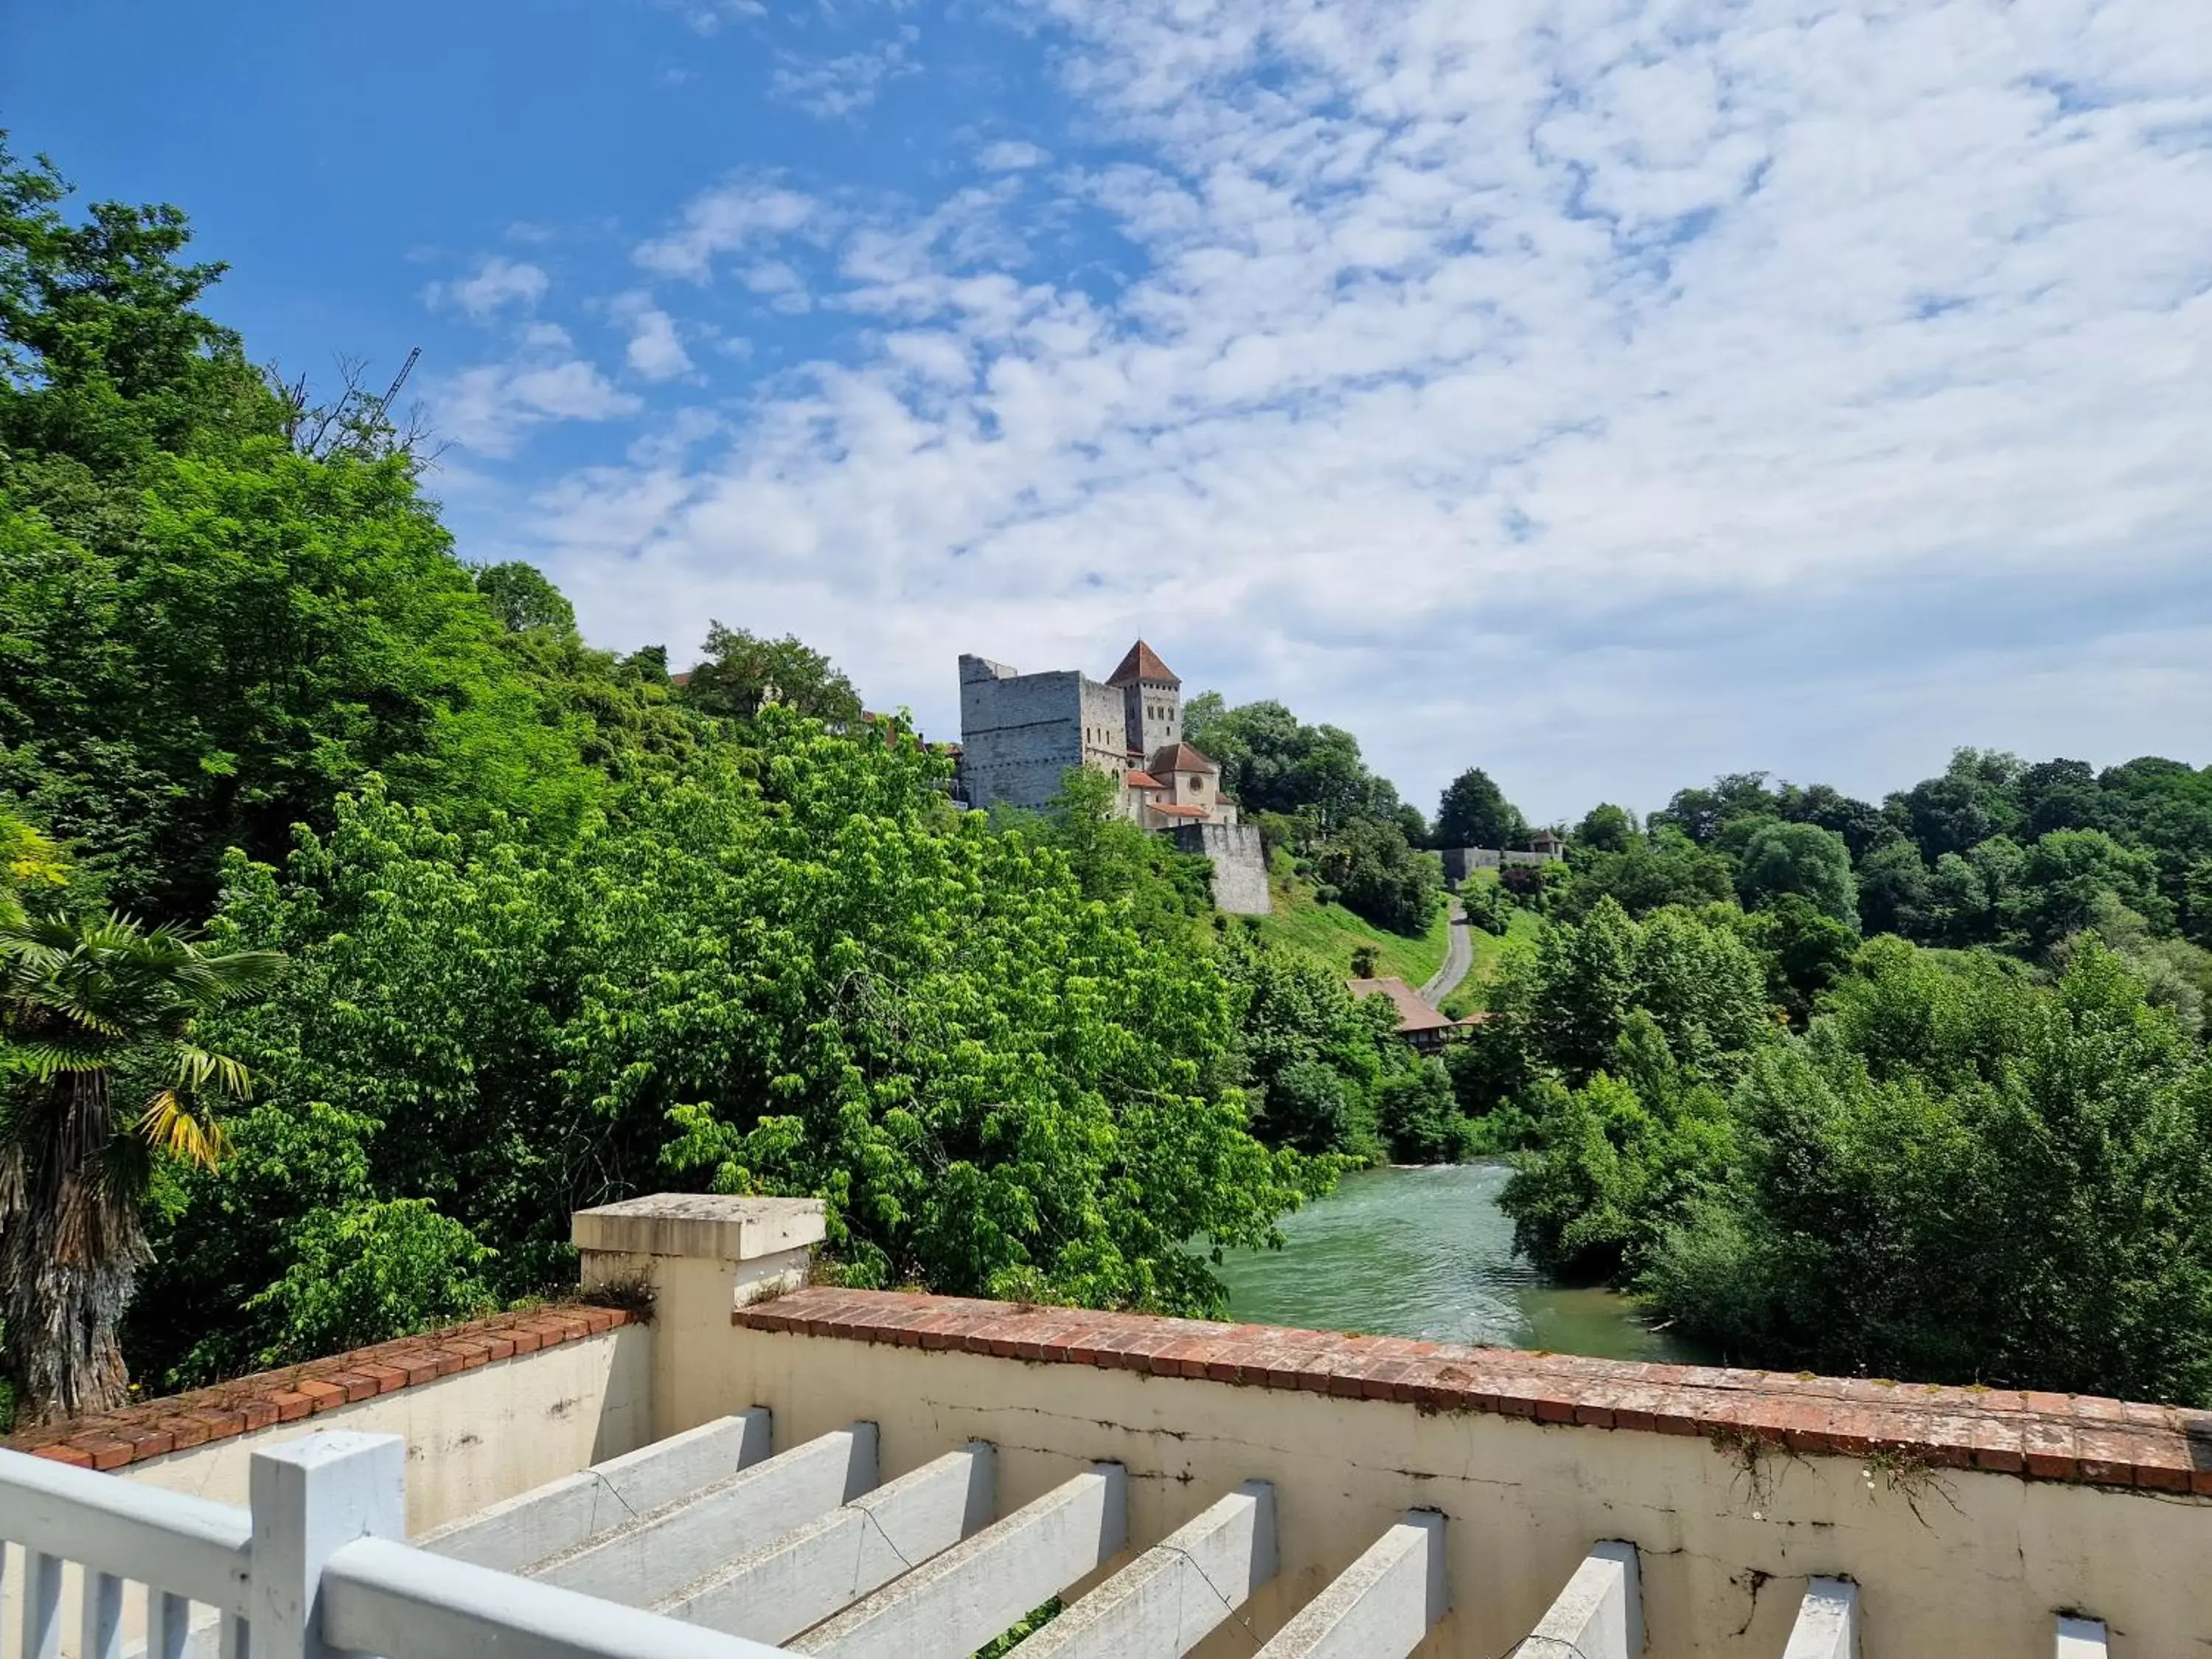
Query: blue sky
{"points": [[1609, 392]]}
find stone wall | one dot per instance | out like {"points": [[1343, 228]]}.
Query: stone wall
{"points": [[1019, 733], [1461, 862], [1240, 864]]}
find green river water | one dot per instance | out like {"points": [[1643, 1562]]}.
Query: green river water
{"points": [[1427, 1253]]}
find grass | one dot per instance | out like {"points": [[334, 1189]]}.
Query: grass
{"points": [[1332, 933], [1520, 928]]}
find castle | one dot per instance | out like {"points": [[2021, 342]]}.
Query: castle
{"points": [[1019, 733]]}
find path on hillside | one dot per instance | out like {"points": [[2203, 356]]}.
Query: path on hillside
{"points": [[1459, 956]]}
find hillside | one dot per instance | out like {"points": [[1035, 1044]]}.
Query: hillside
{"points": [[1333, 933]]}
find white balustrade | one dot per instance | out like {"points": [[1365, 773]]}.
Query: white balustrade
{"points": [[2081, 1639], [1599, 1615], [1827, 1625], [1380, 1606]]}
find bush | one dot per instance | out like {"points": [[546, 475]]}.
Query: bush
{"points": [[1419, 1117], [1487, 905]]}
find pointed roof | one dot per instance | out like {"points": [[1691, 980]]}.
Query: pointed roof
{"points": [[1143, 663], [1179, 757]]}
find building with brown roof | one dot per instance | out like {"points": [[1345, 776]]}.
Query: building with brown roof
{"points": [[1019, 734], [1425, 1027]]}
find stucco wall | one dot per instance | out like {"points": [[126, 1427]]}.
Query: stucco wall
{"points": [[1981, 1568], [473, 1439]]}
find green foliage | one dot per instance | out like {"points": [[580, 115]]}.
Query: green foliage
{"points": [[1665, 867], [524, 601], [1271, 762], [1367, 961], [1802, 859], [1381, 878], [1561, 1011], [791, 970], [88, 1003], [358, 1274], [1474, 812], [1962, 1176], [205, 635], [1805, 952], [741, 672], [1606, 828], [1419, 1117], [1487, 905]]}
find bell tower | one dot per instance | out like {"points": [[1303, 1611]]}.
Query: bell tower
{"points": [[1152, 701]]}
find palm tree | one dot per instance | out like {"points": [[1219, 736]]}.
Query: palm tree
{"points": [[80, 996]]}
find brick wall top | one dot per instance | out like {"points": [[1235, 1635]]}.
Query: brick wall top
{"points": [[185, 1420], [2054, 1436]]}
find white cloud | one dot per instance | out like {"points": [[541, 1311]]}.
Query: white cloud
{"points": [[1597, 389], [655, 350], [1011, 156], [489, 407], [495, 285], [843, 85], [741, 213]]}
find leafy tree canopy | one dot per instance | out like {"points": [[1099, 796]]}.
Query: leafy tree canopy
{"points": [[1474, 812]]}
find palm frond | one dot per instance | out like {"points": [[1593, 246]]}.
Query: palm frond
{"points": [[46, 1060], [172, 1125], [196, 1068]]}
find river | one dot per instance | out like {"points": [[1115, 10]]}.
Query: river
{"points": [[1427, 1253]]}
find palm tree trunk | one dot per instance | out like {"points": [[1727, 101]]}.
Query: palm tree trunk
{"points": [[71, 1241]]}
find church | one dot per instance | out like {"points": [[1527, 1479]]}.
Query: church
{"points": [[1019, 733]]}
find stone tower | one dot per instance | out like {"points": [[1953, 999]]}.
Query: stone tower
{"points": [[1151, 700]]}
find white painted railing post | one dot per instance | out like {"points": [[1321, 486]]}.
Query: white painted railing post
{"points": [[42, 1605], [311, 1498]]}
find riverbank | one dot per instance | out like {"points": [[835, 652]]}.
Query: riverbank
{"points": [[1424, 1251]]}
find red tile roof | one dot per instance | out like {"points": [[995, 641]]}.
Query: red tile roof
{"points": [[1175, 809], [1179, 757], [1413, 1014], [1142, 663], [1142, 780]]}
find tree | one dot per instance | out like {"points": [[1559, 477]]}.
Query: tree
{"points": [[1381, 878], [1964, 1176], [85, 998], [1957, 811], [1474, 812], [741, 672], [1801, 859], [1272, 763], [522, 599], [1702, 814], [1419, 1117], [1806, 950], [1661, 868], [1606, 828], [1367, 961], [1893, 891], [1861, 823]]}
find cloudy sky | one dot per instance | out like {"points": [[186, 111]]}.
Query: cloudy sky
{"points": [[1609, 392]]}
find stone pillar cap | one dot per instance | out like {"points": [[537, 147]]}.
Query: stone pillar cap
{"points": [[706, 1225]]}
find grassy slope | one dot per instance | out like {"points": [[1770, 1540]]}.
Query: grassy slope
{"points": [[1332, 933], [1490, 950]]}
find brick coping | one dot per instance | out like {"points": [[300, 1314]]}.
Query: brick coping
{"points": [[2036, 1436], [180, 1422]]}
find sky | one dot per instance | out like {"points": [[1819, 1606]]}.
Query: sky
{"points": [[1607, 392]]}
